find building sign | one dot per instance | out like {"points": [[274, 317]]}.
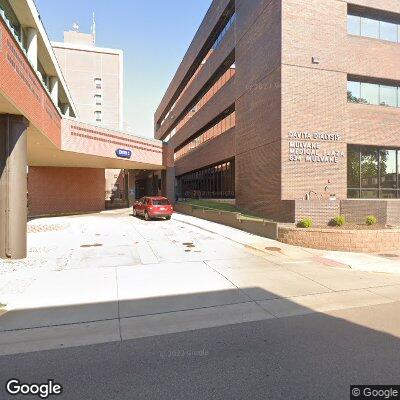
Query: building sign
{"points": [[123, 153], [313, 147]]}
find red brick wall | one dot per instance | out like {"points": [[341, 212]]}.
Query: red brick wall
{"points": [[22, 87], [65, 190]]}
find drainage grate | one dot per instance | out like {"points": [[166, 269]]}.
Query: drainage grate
{"points": [[273, 249]]}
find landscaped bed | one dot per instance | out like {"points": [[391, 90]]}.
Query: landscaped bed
{"points": [[350, 226], [369, 239]]}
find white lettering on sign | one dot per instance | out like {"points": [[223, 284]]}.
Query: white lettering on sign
{"points": [[308, 147], [333, 137]]}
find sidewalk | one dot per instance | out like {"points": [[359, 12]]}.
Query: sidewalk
{"points": [[386, 263]]}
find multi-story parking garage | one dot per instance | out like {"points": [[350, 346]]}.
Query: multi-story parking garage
{"points": [[45, 149], [291, 107]]}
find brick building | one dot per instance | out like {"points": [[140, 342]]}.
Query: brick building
{"points": [[291, 107]]}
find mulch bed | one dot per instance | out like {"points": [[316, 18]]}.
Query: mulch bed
{"points": [[45, 228], [349, 226]]}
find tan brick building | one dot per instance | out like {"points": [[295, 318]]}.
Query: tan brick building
{"points": [[308, 123], [95, 78]]}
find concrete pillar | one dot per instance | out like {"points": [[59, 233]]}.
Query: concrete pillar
{"points": [[32, 46], [132, 187], [66, 110], [168, 175], [53, 86], [168, 184], [13, 186]]}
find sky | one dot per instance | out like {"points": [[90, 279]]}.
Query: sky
{"points": [[154, 36]]}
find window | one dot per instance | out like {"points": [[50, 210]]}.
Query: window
{"points": [[353, 91], [370, 28], [97, 83], [369, 168], [361, 25], [388, 96], [212, 182], [97, 115], [353, 168], [221, 36], [373, 172], [97, 99], [354, 25], [388, 31], [370, 93], [388, 169], [373, 93]]}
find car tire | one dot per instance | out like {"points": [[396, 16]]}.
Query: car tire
{"points": [[168, 218], [146, 216]]}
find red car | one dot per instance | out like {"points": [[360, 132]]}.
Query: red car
{"points": [[153, 207]]}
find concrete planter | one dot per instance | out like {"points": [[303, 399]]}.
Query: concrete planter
{"points": [[258, 227], [368, 241]]}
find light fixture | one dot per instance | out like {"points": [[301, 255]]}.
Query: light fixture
{"points": [[315, 60]]}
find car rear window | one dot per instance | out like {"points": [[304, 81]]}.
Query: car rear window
{"points": [[160, 202]]}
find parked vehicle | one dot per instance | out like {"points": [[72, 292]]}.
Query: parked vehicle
{"points": [[153, 207]]}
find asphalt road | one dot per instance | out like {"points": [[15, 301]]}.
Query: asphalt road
{"points": [[316, 356]]}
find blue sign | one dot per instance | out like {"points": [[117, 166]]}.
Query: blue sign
{"points": [[123, 153]]}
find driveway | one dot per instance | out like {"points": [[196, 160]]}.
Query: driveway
{"points": [[111, 277]]}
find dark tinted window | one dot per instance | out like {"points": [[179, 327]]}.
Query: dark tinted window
{"points": [[388, 169], [373, 172], [160, 202], [353, 167], [369, 168]]}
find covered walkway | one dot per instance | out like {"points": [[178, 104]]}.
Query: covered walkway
{"points": [[44, 148]]}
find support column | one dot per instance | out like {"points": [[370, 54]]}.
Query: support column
{"points": [[13, 186], [131, 187], [169, 184], [168, 175], [66, 110], [32, 46], [53, 85]]}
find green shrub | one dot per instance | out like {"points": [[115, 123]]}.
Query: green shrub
{"points": [[371, 220], [337, 221], [305, 223]]}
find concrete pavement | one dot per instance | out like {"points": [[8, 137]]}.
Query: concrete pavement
{"points": [[112, 277], [314, 356], [375, 262]]}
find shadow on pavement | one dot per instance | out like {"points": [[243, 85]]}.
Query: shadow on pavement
{"points": [[214, 345]]}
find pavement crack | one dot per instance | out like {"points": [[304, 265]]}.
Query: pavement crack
{"points": [[232, 283]]}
